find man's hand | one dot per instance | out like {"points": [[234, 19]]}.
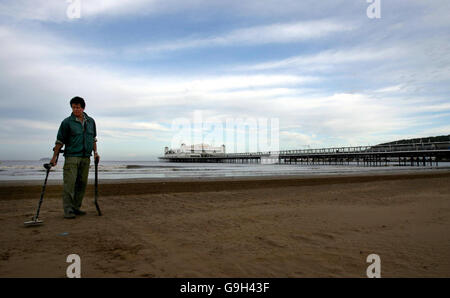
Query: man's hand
{"points": [[96, 157], [56, 150], [54, 161]]}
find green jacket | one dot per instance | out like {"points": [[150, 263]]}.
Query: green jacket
{"points": [[77, 137]]}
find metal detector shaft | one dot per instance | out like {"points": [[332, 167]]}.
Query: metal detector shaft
{"points": [[96, 161], [47, 166]]}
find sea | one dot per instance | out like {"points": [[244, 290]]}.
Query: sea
{"points": [[21, 170]]}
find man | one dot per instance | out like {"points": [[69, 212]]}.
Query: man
{"points": [[79, 135]]}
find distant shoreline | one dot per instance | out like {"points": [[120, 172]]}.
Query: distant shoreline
{"points": [[113, 187], [378, 172]]}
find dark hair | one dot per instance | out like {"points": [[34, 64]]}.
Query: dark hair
{"points": [[78, 100]]}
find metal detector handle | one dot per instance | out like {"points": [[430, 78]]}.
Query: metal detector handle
{"points": [[49, 165]]}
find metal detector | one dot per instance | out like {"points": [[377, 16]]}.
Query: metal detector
{"points": [[35, 221]]}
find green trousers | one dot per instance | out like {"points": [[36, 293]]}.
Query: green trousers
{"points": [[76, 171]]}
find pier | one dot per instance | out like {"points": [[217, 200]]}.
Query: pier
{"points": [[416, 154]]}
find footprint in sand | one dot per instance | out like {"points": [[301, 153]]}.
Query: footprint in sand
{"points": [[304, 239], [270, 242], [325, 236]]}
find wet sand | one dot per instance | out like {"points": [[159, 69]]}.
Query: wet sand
{"points": [[237, 227]]}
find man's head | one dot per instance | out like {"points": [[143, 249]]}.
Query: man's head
{"points": [[77, 104]]}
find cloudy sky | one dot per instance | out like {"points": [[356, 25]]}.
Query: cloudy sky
{"points": [[327, 72]]}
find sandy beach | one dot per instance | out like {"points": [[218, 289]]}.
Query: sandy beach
{"points": [[248, 227]]}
